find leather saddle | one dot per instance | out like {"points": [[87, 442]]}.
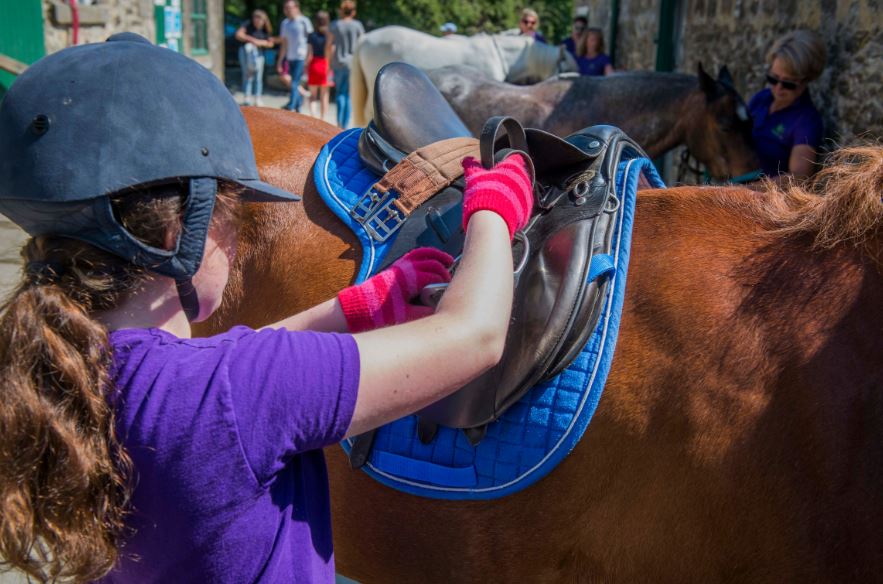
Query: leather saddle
{"points": [[556, 302]]}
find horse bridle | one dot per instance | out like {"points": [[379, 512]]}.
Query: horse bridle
{"points": [[701, 173]]}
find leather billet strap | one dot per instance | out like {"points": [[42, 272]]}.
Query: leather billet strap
{"points": [[490, 133], [426, 171]]}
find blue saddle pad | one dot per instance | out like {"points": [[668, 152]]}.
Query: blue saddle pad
{"points": [[536, 433]]}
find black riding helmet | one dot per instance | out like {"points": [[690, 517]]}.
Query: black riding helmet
{"points": [[94, 120]]}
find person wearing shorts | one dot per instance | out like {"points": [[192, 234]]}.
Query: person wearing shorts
{"points": [[317, 65]]}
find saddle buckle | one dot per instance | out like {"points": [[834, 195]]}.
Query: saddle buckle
{"points": [[377, 214]]}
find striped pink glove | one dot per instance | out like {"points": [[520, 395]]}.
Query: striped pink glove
{"points": [[505, 189], [385, 299]]}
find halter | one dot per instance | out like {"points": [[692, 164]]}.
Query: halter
{"points": [[700, 172]]}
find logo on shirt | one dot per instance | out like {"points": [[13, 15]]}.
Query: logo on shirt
{"points": [[779, 131]]}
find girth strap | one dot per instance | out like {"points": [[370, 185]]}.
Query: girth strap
{"points": [[426, 171]]}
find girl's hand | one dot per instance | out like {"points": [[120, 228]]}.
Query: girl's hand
{"points": [[386, 298], [505, 189]]}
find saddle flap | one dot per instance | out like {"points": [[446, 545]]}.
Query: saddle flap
{"points": [[556, 298], [403, 96]]}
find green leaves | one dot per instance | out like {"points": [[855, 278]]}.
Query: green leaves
{"points": [[470, 16]]}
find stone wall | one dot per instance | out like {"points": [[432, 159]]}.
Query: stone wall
{"points": [[120, 15], [738, 33], [103, 18]]}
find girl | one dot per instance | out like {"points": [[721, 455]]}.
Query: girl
{"points": [[317, 68], [591, 58], [255, 37], [132, 452]]}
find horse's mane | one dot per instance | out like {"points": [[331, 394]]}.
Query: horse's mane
{"points": [[841, 205]]}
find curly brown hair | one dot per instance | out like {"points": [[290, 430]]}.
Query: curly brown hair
{"points": [[65, 478]]}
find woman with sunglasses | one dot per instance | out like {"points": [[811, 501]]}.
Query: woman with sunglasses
{"points": [[529, 25], [787, 127]]}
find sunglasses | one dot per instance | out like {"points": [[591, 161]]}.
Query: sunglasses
{"points": [[789, 85], [528, 22]]}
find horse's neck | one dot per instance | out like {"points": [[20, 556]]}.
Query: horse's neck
{"points": [[515, 53], [488, 55], [663, 123], [647, 108]]}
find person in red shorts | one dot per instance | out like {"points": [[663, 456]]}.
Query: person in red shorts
{"points": [[317, 68]]}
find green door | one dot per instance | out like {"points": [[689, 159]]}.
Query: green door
{"points": [[21, 34]]}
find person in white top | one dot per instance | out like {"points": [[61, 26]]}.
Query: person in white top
{"points": [[293, 34]]}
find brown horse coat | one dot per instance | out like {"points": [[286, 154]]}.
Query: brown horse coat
{"points": [[740, 436]]}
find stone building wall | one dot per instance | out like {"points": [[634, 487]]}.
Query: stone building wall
{"points": [[738, 33], [103, 18], [122, 15]]}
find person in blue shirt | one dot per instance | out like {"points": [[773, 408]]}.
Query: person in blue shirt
{"points": [[591, 58], [580, 24], [787, 128]]}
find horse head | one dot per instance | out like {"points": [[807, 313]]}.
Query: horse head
{"points": [[722, 138], [527, 61], [566, 62]]}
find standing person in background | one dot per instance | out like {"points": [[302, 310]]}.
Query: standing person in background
{"points": [[529, 25], [590, 55], [254, 36], [577, 30], [787, 126], [343, 36], [317, 67], [293, 31]]}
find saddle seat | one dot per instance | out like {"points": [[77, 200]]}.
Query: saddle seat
{"points": [[409, 113], [560, 280]]}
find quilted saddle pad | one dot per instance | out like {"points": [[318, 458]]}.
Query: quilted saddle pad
{"points": [[536, 433]]}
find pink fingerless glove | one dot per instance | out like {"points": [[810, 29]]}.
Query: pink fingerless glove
{"points": [[385, 299], [505, 189]]}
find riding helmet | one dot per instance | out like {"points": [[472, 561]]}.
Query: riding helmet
{"points": [[94, 120]]}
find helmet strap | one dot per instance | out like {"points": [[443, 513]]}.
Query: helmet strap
{"points": [[188, 297]]}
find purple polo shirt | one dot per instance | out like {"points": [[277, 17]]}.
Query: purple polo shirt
{"points": [[594, 66], [225, 435], [775, 134]]}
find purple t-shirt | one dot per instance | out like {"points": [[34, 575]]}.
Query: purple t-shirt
{"points": [[775, 134], [225, 435], [594, 66]]}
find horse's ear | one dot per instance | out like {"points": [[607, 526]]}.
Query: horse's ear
{"points": [[724, 77], [707, 83]]}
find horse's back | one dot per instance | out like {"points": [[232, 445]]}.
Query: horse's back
{"points": [[731, 442], [739, 436], [398, 43]]}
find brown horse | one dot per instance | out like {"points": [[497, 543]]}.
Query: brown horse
{"points": [[740, 435], [658, 110]]}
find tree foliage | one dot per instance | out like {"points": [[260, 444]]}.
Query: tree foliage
{"points": [[470, 16]]}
